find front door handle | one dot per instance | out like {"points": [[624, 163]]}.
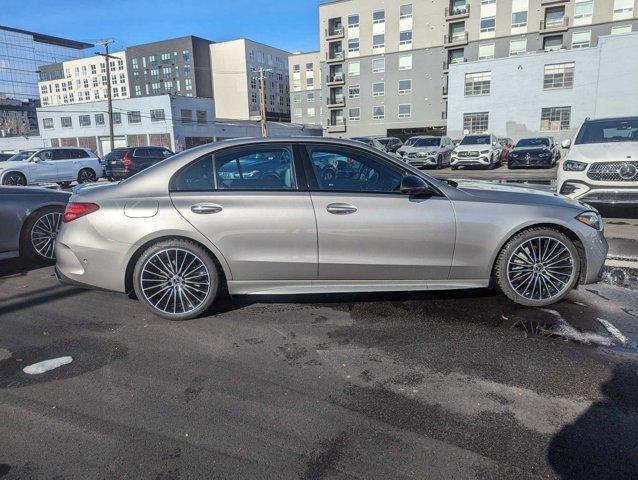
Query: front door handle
{"points": [[206, 208], [341, 208]]}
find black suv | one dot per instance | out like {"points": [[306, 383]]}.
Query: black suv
{"points": [[122, 163]]}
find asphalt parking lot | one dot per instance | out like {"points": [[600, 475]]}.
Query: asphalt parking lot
{"points": [[502, 173], [431, 385]]}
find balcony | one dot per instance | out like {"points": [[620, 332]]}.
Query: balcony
{"points": [[443, 115], [552, 2], [452, 61], [333, 57], [444, 92], [458, 12], [455, 40], [337, 79], [334, 33], [336, 101], [336, 125], [552, 26]]}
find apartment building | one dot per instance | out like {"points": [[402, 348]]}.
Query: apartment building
{"points": [[305, 85], [83, 80], [388, 60], [177, 66], [547, 94], [235, 72]]}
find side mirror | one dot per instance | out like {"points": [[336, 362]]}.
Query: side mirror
{"points": [[413, 185], [36, 159], [566, 143]]}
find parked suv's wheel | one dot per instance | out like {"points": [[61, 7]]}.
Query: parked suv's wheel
{"points": [[86, 175], [176, 279], [64, 184], [14, 178], [39, 232], [537, 267]]}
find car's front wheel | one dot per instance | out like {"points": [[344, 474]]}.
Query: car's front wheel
{"points": [[176, 279], [86, 175], [538, 267], [15, 178]]}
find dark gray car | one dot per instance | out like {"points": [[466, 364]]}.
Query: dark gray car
{"points": [[30, 218]]}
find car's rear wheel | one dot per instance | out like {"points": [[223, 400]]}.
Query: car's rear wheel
{"points": [[15, 178], [37, 241], [176, 279], [538, 267], [86, 175], [64, 184]]}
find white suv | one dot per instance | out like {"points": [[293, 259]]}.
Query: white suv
{"points": [[602, 164], [46, 165], [477, 150]]}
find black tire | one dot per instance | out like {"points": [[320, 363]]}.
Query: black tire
{"points": [[454, 167], [15, 178], [192, 248], [86, 175], [64, 184], [501, 266], [439, 162], [510, 167], [33, 240]]}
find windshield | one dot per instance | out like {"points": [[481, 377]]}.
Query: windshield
{"points": [[533, 142], [115, 155], [384, 141], [409, 142], [476, 140], [612, 130], [21, 156], [427, 142]]}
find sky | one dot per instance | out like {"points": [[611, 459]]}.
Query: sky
{"points": [[291, 25]]}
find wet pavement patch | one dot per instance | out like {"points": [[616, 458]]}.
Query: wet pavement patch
{"points": [[621, 277], [89, 354]]}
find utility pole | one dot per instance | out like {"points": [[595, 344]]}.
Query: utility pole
{"points": [[262, 106], [107, 57]]}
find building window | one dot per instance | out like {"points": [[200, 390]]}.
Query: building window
{"points": [[66, 122], [297, 112], [378, 65], [405, 62], [85, 120], [186, 55], [186, 115], [354, 114], [518, 47], [405, 111], [619, 29], [405, 87], [405, 38], [378, 16], [378, 112], [354, 91], [117, 118], [310, 82], [378, 42], [310, 97], [486, 51], [554, 119], [296, 68], [623, 6], [311, 111], [99, 119], [353, 45], [478, 83], [201, 116], [158, 115], [353, 20], [583, 10], [581, 39], [487, 2], [47, 123], [296, 98], [488, 24], [554, 42], [134, 117], [405, 11], [378, 89], [475, 122], [519, 19], [354, 69], [559, 75], [138, 90]]}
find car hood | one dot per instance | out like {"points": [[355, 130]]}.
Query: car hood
{"points": [[8, 165], [419, 149], [500, 193], [33, 191], [524, 150], [471, 148], [596, 152]]}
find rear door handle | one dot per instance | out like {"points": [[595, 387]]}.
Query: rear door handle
{"points": [[341, 208], [206, 208]]}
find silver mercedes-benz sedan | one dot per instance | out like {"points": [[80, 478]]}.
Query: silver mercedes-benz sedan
{"points": [[307, 215]]}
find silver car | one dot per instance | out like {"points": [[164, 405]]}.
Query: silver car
{"points": [[427, 151], [261, 216]]}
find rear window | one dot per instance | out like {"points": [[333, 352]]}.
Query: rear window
{"points": [[605, 131], [115, 155]]}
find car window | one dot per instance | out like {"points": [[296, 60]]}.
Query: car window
{"points": [[349, 170], [197, 176], [141, 152], [255, 168], [46, 155], [79, 153], [165, 153]]}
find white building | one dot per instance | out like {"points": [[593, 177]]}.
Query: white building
{"points": [[545, 93], [306, 80], [83, 80]]}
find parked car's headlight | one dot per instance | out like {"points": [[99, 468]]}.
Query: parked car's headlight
{"points": [[485, 151], [543, 155], [574, 166], [592, 219]]}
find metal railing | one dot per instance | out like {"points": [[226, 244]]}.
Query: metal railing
{"points": [[554, 24], [451, 39], [457, 11]]}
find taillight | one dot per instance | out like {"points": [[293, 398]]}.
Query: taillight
{"points": [[127, 161], [76, 210]]}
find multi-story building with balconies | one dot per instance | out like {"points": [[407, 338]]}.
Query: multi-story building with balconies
{"points": [[305, 87], [395, 54]]}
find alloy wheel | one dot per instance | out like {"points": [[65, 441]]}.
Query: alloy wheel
{"points": [[175, 281], [44, 233], [15, 179], [86, 176], [541, 268]]}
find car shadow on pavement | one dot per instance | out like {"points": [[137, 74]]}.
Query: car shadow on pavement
{"points": [[603, 442], [17, 267]]}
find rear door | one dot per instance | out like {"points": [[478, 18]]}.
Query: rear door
{"points": [[247, 202], [66, 162]]}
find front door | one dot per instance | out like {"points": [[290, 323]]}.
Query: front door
{"points": [[45, 170], [367, 230], [246, 201]]}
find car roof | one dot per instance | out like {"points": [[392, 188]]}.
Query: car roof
{"points": [[428, 136], [587, 120]]}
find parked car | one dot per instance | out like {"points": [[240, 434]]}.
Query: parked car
{"points": [[428, 151], [507, 144], [477, 150], [534, 152], [602, 164], [5, 156], [372, 141], [51, 165], [122, 163], [30, 219], [391, 144], [180, 232]]}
